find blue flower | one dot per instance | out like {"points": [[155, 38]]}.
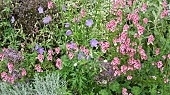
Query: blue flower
{"points": [[40, 10], [36, 46], [63, 8], [67, 25], [89, 22], [41, 50], [68, 32], [12, 19], [47, 19], [80, 56], [93, 43]]}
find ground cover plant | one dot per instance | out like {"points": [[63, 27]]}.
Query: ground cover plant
{"points": [[99, 47]]}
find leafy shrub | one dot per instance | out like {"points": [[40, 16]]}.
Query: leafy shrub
{"points": [[50, 84]]}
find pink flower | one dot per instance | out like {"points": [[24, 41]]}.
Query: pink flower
{"points": [[129, 17], [126, 27], [157, 51], [50, 57], [113, 23], [150, 39], [115, 61], [38, 68], [153, 63], [136, 10], [10, 67], [164, 13], [70, 55], [130, 3], [68, 46], [129, 77], [124, 69], [50, 4], [140, 29], [82, 48], [145, 20], [117, 73], [164, 4], [119, 12], [144, 6], [122, 49], [135, 18], [57, 50], [1, 56], [130, 68], [83, 13], [50, 52], [124, 91], [11, 79], [159, 64], [169, 55], [40, 57], [166, 80], [164, 57], [58, 63], [3, 74], [134, 43], [23, 72], [137, 66]]}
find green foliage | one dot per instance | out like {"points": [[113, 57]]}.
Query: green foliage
{"points": [[50, 84]]}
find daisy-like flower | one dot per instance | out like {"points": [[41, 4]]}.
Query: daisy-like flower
{"points": [[40, 10], [89, 22], [93, 43]]}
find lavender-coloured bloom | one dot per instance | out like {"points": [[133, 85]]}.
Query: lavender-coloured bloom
{"points": [[63, 8], [88, 57], [68, 32], [93, 43], [40, 50], [80, 56], [36, 46], [67, 25], [40, 10], [47, 20], [32, 49], [72, 45], [89, 22], [12, 19]]}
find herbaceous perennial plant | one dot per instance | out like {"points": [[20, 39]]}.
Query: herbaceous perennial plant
{"points": [[118, 47]]}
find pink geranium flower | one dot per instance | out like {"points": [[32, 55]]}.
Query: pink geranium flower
{"points": [[38, 68], [50, 57], [70, 55], [58, 63], [50, 4], [50, 52], [10, 67], [159, 64], [124, 91], [23, 72], [145, 20], [57, 50], [129, 77], [1, 56], [144, 6], [40, 57], [150, 39], [115, 61], [157, 51]]}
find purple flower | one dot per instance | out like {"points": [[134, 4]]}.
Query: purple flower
{"points": [[89, 22], [47, 19], [12, 19], [67, 25], [63, 8], [68, 32], [36, 46], [40, 10], [40, 50], [93, 43], [80, 56]]}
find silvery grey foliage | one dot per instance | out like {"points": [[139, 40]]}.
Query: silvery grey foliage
{"points": [[51, 84]]}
